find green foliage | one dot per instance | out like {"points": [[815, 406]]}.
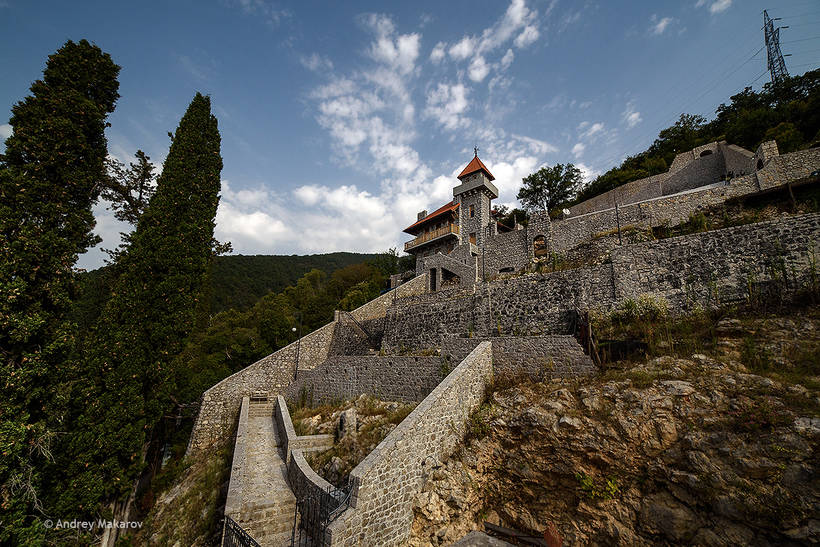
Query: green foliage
{"points": [[240, 281], [479, 423], [786, 135], [145, 323], [129, 189], [698, 223], [592, 489], [549, 187], [48, 183], [510, 217]]}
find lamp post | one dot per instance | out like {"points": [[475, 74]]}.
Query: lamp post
{"points": [[298, 344]]}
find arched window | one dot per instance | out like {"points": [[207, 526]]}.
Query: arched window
{"points": [[759, 165], [539, 246], [706, 153]]}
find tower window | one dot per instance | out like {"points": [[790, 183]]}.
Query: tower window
{"points": [[472, 238], [472, 211]]}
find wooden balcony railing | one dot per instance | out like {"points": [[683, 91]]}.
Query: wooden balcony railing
{"points": [[429, 236]]}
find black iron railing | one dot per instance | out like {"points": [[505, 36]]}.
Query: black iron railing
{"points": [[235, 536], [315, 509]]}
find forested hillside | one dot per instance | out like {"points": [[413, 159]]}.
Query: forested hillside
{"points": [[787, 111], [239, 280]]}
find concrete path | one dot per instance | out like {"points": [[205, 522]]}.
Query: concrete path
{"points": [[268, 503]]}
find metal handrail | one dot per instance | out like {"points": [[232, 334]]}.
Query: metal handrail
{"points": [[236, 536]]}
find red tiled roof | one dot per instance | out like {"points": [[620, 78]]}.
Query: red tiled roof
{"points": [[452, 206], [476, 165]]}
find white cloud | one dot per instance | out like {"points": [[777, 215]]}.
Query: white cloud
{"points": [[507, 60], [630, 116], [658, 26], [478, 69], [268, 11], [588, 173], [447, 103], [593, 130], [578, 149], [5, 131], [398, 52], [529, 35], [463, 48], [715, 6], [316, 63], [438, 53]]}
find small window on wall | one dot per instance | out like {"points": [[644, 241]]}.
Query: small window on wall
{"points": [[472, 238], [706, 153], [539, 246], [472, 211]]}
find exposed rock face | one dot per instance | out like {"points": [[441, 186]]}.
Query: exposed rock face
{"points": [[346, 424], [675, 451]]}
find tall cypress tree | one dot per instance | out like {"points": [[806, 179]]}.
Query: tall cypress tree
{"points": [[49, 174], [149, 315]]}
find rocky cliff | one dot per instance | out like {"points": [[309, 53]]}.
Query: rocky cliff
{"points": [[667, 451]]}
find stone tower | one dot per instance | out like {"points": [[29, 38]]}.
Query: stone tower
{"points": [[473, 196]]}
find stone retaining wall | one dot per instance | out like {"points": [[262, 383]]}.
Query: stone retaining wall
{"points": [[390, 378], [386, 482], [540, 357], [698, 269]]}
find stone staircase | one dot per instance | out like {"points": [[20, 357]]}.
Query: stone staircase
{"points": [[268, 503]]}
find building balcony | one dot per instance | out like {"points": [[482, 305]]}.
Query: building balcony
{"points": [[426, 237]]}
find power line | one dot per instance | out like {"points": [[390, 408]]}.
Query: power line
{"points": [[801, 40]]}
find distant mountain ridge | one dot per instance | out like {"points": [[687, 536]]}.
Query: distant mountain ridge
{"points": [[239, 281]]}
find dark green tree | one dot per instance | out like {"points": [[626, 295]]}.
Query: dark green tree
{"points": [[129, 189], [147, 319], [49, 177], [550, 187]]}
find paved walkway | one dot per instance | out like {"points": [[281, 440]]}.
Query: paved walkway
{"points": [[268, 503]]}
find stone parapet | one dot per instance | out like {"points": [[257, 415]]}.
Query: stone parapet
{"points": [[386, 482], [236, 486], [287, 434], [539, 357]]}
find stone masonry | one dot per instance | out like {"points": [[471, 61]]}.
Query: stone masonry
{"points": [[385, 483]]}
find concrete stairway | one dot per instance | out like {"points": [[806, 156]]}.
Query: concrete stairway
{"points": [[268, 503]]}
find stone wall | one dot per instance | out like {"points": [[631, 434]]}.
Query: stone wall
{"points": [[388, 479], [377, 307], [531, 304], [236, 486], [539, 357], [220, 404], [391, 378], [738, 161], [699, 172], [287, 434], [686, 270], [350, 339], [631, 192], [506, 250]]}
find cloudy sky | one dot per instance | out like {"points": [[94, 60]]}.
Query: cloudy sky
{"points": [[341, 120]]}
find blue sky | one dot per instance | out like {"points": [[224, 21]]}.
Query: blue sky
{"points": [[341, 120]]}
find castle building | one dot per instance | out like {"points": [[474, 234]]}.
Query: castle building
{"points": [[466, 221], [460, 244]]}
